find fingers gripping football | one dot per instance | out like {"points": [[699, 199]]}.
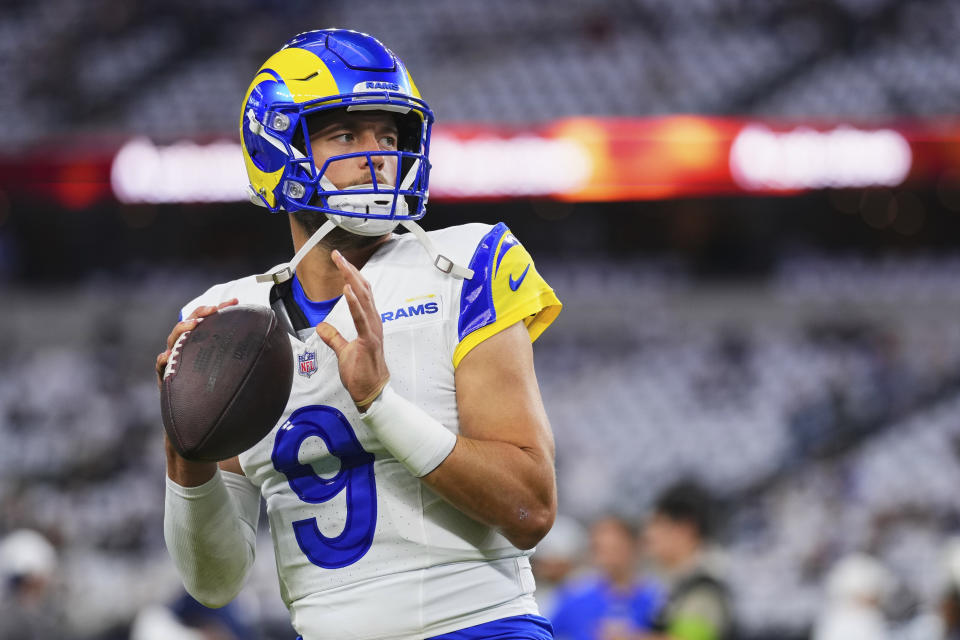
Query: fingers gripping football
{"points": [[363, 368], [185, 326], [226, 383]]}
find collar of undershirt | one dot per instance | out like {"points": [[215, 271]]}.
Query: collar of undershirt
{"points": [[315, 311]]}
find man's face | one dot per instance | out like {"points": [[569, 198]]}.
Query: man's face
{"points": [[344, 132], [667, 541], [612, 547]]}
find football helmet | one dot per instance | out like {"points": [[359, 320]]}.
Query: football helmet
{"points": [[315, 72]]}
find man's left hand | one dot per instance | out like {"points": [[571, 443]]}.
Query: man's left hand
{"points": [[363, 368]]}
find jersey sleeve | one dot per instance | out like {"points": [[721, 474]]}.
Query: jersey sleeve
{"points": [[506, 288]]}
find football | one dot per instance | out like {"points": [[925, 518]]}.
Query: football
{"points": [[226, 383]]}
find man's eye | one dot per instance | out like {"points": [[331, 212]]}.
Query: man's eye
{"points": [[389, 141]]}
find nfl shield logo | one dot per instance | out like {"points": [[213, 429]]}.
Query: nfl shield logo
{"points": [[308, 363]]}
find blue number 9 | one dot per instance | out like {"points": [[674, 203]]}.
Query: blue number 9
{"points": [[355, 477]]}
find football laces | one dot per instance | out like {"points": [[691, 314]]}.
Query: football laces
{"points": [[171, 367]]}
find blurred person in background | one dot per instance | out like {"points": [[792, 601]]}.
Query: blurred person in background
{"points": [[949, 606], [613, 602], [676, 536], [948, 614], [439, 454], [942, 621], [856, 588], [158, 622], [187, 619], [29, 609], [558, 557]]}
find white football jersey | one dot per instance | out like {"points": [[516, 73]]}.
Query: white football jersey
{"points": [[363, 548]]}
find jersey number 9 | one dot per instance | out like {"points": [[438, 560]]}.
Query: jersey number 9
{"points": [[355, 477]]}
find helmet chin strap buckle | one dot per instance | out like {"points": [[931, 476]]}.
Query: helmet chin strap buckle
{"points": [[285, 272], [277, 277], [443, 263]]}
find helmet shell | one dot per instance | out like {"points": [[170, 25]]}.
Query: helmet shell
{"points": [[317, 71]]}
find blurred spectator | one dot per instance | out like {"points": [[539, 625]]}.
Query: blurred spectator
{"points": [[949, 610], [613, 603], [157, 622], [856, 589], [698, 604], [942, 623], [29, 610], [558, 556], [187, 619]]}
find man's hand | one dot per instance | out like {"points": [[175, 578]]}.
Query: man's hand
{"points": [[184, 472], [363, 368], [189, 324]]}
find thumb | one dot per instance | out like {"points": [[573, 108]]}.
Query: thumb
{"points": [[331, 337]]}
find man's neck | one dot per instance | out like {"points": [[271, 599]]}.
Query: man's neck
{"points": [[318, 275]]}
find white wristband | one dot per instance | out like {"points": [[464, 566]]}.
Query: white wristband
{"points": [[414, 438]]}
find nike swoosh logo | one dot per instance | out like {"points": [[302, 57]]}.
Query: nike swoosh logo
{"points": [[515, 284]]}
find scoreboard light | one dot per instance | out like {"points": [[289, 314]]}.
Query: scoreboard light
{"points": [[143, 172], [804, 158], [485, 166], [595, 159], [497, 166]]}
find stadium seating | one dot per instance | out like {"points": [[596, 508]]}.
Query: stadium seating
{"points": [[172, 69]]}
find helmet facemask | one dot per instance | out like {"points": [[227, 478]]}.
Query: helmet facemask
{"points": [[373, 208], [370, 207]]}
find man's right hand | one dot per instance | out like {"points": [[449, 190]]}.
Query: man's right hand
{"points": [[180, 470]]}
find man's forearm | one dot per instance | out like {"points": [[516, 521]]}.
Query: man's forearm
{"points": [[500, 484], [210, 533]]}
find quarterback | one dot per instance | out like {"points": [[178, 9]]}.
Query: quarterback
{"points": [[411, 473]]}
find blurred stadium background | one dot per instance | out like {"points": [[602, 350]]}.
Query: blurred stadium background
{"points": [[751, 209]]}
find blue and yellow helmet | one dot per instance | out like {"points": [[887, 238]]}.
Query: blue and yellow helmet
{"points": [[315, 72]]}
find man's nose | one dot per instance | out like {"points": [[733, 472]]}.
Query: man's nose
{"points": [[368, 142]]}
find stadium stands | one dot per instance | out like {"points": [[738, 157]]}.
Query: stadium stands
{"points": [[177, 68]]}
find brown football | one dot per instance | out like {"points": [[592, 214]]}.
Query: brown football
{"points": [[226, 383]]}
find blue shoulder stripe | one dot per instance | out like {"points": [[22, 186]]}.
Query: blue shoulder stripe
{"points": [[476, 297]]}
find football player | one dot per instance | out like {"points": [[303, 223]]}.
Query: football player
{"points": [[412, 472]]}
